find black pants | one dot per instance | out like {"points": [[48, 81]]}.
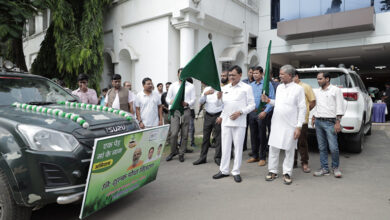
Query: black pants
{"points": [[208, 126], [258, 135]]}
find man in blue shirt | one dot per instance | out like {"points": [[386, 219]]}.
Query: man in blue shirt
{"points": [[258, 121]]}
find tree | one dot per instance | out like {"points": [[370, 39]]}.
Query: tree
{"points": [[78, 41], [13, 16], [45, 64]]}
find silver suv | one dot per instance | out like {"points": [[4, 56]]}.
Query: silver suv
{"points": [[356, 121]]}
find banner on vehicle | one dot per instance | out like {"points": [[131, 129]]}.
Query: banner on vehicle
{"points": [[121, 164]]}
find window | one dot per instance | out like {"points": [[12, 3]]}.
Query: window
{"points": [[275, 13], [358, 82], [31, 26], [337, 78], [285, 10], [310, 8], [252, 44], [289, 10], [45, 19], [226, 65], [331, 6], [356, 4]]}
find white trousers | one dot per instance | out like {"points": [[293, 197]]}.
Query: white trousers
{"points": [[273, 160], [237, 136]]}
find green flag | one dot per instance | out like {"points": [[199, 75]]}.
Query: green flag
{"points": [[203, 68], [266, 78], [176, 105]]}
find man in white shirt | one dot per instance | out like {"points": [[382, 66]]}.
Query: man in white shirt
{"points": [[119, 97], [237, 99], [150, 155], [148, 106], [288, 117], [160, 89], [213, 111], [180, 122], [327, 115]]}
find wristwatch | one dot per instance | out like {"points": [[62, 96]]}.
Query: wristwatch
{"points": [[241, 113]]}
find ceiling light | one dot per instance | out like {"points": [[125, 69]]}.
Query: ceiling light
{"points": [[374, 48], [343, 58], [380, 67]]}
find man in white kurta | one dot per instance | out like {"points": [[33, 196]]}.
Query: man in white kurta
{"points": [[237, 99], [286, 124]]}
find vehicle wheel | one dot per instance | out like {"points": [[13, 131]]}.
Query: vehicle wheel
{"points": [[355, 141], [9, 210], [369, 130], [369, 124]]}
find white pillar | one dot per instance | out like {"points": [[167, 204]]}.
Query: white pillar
{"points": [[187, 45]]}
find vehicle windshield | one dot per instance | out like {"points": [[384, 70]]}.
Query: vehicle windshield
{"points": [[31, 90], [337, 79]]}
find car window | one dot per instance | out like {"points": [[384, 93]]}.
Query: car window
{"points": [[358, 82], [361, 84], [337, 78], [28, 89]]}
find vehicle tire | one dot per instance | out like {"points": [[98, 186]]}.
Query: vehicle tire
{"points": [[369, 130], [369, 124], [9, 210], [355, 141]]}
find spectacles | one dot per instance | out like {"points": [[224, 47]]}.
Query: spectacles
{"points": [[83, 82]]}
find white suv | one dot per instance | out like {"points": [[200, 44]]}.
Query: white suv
{"points": [[356, 121]]}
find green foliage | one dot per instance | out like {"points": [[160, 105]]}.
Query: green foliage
{"points": [[78, 40], [13, 15], [45, 64]]}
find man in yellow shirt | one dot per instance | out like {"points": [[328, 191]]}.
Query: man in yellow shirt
{"points": [[302, 141]]}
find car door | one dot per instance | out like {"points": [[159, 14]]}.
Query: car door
{"points": [[366, 97]]}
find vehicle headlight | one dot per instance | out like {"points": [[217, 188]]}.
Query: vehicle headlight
{"points": [[42, 139]]}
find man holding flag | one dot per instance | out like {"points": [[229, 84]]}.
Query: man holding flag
{"points": [[180, 122], [202, 67], [238, 101]]}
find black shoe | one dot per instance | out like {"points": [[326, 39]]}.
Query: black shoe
{"points": [[181, 158], [237, 178], [218, 161], [250, 154], [199, 161], [189, 151], [170, 156], [220, 175], [287, 179]]}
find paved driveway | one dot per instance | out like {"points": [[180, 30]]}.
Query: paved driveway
{"points": [[184, 191]]}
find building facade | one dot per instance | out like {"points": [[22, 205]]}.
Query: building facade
{"points": [[153, 38], [306, 33]]}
